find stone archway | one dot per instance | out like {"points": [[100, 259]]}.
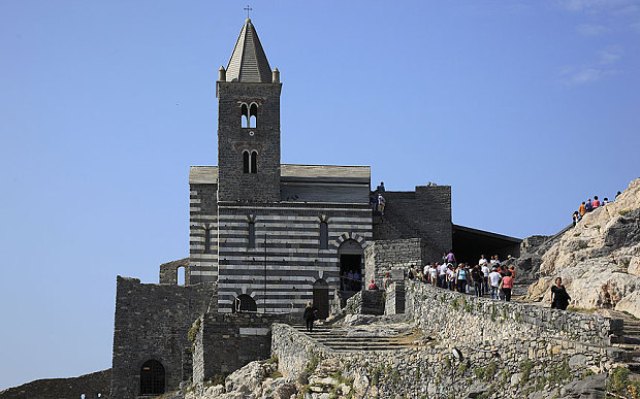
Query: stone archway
{"points": [[321, 298], [350, 255], [152, 378]]}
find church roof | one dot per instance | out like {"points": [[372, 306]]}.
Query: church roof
{"points": [[248, 62], [355, 174]]}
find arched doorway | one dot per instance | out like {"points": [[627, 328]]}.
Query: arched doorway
{"points": [[350, 254], [152, 378], [244, 303], [321, 298]]}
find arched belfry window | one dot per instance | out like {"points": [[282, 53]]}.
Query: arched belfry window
{"points": [[244, 116], [250, 162], [254, 162], [245, 162], [253, 115]]}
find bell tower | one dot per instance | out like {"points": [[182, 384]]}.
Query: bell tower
{"points": [[248, 94]]}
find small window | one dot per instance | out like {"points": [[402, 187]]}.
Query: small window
{"points": [[253, 115], [181, 275], [254, 162], [324, 235], [244, 116], [207, 240], [252, 235], [245, 162]]}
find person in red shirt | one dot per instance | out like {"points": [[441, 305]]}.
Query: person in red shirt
{"points": [[596, 202], [507, 285], [372, 286]]}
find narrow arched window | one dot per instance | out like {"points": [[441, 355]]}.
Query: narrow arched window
{"points": [[244, 116], [324, 235], [245, 162], [252, 235], [253, 115], [254, 162], [207, 240], [181, 275]]}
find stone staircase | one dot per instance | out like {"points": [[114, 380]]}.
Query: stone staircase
{"points": [[353, 339], [628, 342]]}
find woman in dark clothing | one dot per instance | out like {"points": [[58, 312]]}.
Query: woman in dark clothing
{"points": [[309, 316], [559, 296]]}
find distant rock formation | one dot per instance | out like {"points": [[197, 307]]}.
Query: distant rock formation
{"points": [[598, 259]]}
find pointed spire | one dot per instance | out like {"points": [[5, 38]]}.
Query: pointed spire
{"points": [[248, 62]]}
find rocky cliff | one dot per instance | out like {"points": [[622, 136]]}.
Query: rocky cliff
{"points": [[599, 258]]}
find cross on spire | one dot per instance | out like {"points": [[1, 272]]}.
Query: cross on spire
{"points": [[248, 9]]}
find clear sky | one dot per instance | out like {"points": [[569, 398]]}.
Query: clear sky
{"points": [[525, 108]]}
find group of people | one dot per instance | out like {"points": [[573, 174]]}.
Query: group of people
{"points": [[589, 206], [351, 281], [488, 277]]}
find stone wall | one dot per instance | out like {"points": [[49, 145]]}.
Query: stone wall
{"points": [[169, 271], [463, 316], [480, 348], [395, 298], [381, 257], [151, 323], [203, 217], [423, 213], [55, 388], [226, 342]]}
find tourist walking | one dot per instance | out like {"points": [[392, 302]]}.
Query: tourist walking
{"points": [[478, 280], [461, 278], [559, 296], [381, 204], [485, 277], [507, 285], [309, 316]]}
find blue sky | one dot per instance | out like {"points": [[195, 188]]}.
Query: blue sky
{"points": [[525, 108]]}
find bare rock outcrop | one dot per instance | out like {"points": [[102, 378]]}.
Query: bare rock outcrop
{"points": [[598, 259]]}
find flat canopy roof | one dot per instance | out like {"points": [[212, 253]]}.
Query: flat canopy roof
{"points": [[487, 234], [288, 172]]}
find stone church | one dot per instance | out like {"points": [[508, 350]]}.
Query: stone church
{"points": [[266, 238]]}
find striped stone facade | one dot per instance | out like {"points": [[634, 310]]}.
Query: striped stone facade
{"points": [[279, 266], [280, 271]]}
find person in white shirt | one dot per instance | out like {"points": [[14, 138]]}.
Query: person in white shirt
{"points": [[494, 278], [433, 274], [442, 275], [483, 260], [485, 280]]}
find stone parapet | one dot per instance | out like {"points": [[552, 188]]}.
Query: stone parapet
{"points": [[461, 316]]}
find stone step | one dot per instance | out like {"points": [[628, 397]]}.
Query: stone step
{"points": [[367, 349], [362, 344], [625, 340]]}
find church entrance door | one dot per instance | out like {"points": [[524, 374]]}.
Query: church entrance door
{"points": [[321, 298]]}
